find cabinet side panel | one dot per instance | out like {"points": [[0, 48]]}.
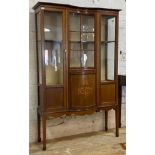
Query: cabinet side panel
{"points": [[54, 98], [107, 94], [40, 96]]}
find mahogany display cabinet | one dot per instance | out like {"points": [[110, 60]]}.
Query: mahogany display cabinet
{"points": [[77, 57]]}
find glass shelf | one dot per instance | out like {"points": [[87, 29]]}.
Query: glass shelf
{"points": [[83, 31], [81, 41], [58, 41], [105, 42]]}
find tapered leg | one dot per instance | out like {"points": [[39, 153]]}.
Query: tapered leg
{"points": [[117, 121], [44, 131], [119, 103], [39, 126], [120, 116], [106, 120]]}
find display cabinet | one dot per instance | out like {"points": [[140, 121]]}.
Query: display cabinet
{"points": [[77, 61]]}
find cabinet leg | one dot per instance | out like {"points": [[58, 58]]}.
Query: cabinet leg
{"points": [[44, 131], [106, 120], [120, 103], [39, 126], [120, 116], [117, 122]]}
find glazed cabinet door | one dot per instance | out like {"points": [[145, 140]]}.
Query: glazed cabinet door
{"points": [[54, 59], [108, 60], [82, 76], [81, 40], [53, 48]]}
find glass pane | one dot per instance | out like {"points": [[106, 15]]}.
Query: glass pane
{"points": [[53, 48], [82, 42], [87, 23], [38, 27], [75, 36], [87, 59], [74, 46], [107, 61], [110, 61], [54, 63], [87, 37], [103, 62], [74, 22], [39, 62], [74, 58], [111, 28], [87, 46], [53, 26], [108, 29]]}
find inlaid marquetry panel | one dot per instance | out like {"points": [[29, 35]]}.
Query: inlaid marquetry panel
{"points": [[82, 90]]}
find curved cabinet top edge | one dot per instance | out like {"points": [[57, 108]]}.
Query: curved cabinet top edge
{"points": [[72, 6]]}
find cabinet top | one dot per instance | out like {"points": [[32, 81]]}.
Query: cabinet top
{"points": [[71, 6]]}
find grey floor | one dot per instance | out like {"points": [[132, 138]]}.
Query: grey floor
{"points": [[96, 143]]}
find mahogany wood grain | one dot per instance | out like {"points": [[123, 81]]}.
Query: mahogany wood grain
{"points": [[44, 132], [82, 91], [117, 121], [54, 98], [107, 94], [39, 126]]}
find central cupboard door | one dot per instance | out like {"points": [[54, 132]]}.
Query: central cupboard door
{"points": [[82, 72]]}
